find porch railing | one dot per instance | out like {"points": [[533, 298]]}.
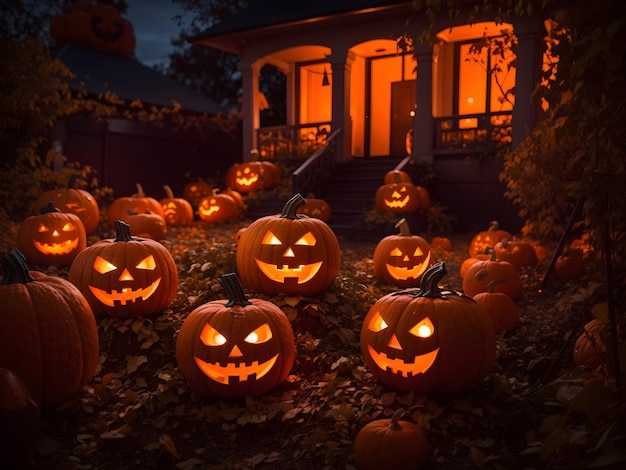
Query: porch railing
{"points": [[300, 140], [472, 132], [317, 169]]}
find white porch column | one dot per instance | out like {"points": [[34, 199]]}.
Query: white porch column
{"points": [[423, 122], [341, 66], [528, 67], [250, 110]]}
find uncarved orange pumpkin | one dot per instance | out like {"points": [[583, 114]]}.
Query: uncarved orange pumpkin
{"points": [[480, 274], [589, 349], [519, 253], [389, 443], [138, 203], [48, 334], [500, 308]]}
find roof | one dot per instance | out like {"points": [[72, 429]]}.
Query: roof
{"points": [[129, 79], [267, 13]]}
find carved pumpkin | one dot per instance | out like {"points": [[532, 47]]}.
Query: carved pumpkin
{"points": [[20, 419], [96, 25], [75, 201], [428, 339], [147, 225], [288, 253], [139, 203], [500, 308], [390, 443], [237, 347], [218, 207], [126, 276], [480, 274], [52, 237], [48, 334], [589, 349], [570, 265], [519, 253], [250, 176], [399, 197], [402, 259], [177, 211], [317, 208], [194, 191], [486, 238]]}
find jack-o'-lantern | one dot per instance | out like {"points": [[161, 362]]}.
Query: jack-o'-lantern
{"points": [[176, 210], [74, 200], [52, 237], [244, 177], [97, 25], [147, 225], [402, 259], [125, 276], [316, 207], [218, 207], [288, 253], [139, 203], [428, 339], [480, 274], [48, 334], [519, 253], [488, 237], [399, 197], [194, 191], [235, 347]]}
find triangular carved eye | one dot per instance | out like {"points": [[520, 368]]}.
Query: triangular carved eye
{"points": [[103, 266], [308, 239], [423, 329], [43, 228], [418, 252], [270, 239], [262, 334], [396, 252], [377, 323], [147, 263], [211, 337]]}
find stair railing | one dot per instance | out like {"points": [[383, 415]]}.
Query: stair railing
{"points": [[317, 169]]}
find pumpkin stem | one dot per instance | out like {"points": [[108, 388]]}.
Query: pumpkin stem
{"points": [[395, 425], [122, 232], [493, 225], [396, 176], [404, 227], [291, 206], [490, 251], [429, 283], [504, 242], [140, 192], [492, 285], [15, 268], [233, 290], [71, 183], [49, 207], [168, 192]]}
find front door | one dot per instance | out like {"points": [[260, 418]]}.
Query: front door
{"points": [[402, 111]]}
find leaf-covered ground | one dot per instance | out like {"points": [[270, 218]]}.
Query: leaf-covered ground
{"points": [[534, 410]]}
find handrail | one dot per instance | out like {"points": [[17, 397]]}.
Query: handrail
{"points": [[316, 169]]}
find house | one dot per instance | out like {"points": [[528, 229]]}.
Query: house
{"points": [[346, 76], [96, 44]]}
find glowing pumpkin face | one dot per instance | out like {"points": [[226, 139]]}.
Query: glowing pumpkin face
{"points": [[229, 349], [317, 208], [401, 197], [125, 276], [289, 253], [249, 176], [218, 208], [427, 339], [402, 259], [176, 210], [194, 191], [487, 238], [53, 237]]}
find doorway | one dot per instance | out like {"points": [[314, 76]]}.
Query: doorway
{"points": [[402, 113]]}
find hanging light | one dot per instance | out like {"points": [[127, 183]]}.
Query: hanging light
{"points": [[325, 81]]}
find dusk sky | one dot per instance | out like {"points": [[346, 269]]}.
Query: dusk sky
{"points": [[154, 28]]}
